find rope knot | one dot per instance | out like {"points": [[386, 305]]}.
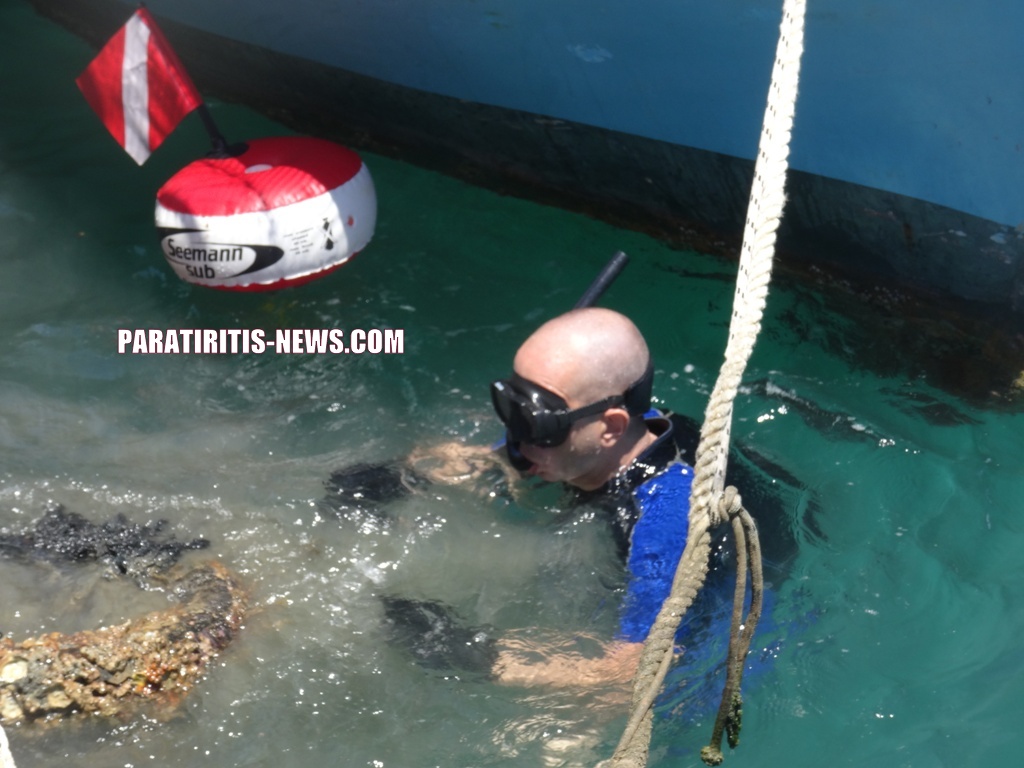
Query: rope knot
{"points": [[729, 504]]}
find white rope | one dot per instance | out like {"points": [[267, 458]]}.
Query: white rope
{"points": [[707, 499], [764, 211]]}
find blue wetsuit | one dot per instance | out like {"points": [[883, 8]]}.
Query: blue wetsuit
{"points": [[650, 501]]}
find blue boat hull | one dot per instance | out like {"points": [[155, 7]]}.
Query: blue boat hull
{"points": [[907, 144]]}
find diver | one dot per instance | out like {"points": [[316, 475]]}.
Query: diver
{"points": [[577, 411]]}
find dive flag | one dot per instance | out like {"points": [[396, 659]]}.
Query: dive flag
{"points": [[138, 86]]}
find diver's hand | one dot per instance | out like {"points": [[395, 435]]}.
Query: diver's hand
{"points": [[455, 463]]}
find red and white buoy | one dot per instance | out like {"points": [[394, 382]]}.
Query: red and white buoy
{"points": [[285, 211], [277, 212]]}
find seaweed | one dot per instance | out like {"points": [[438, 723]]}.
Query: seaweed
{"points": [[136, 550]]}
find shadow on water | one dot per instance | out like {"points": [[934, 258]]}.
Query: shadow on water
{"points": [[966, 350]]}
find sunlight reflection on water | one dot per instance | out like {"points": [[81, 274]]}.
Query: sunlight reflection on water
{"points": [[895, 614]]}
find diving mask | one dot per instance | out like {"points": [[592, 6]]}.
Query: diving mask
{"points": [[537, 416]]}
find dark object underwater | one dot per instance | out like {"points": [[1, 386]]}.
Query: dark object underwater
{"points": [[436, 637], [359, 491], [129, 548]]}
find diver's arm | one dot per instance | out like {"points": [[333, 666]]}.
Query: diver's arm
{"points": [[521, 663]]}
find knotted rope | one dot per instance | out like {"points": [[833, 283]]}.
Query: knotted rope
{"points": [[710, 501]]}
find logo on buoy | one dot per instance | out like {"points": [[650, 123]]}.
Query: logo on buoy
{"points": [[200, 258]]}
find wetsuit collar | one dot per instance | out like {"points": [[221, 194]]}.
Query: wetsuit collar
{"points": [[616, 496], [653, 460]]}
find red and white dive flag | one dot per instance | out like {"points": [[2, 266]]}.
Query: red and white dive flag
{"points": [[138, 87]]}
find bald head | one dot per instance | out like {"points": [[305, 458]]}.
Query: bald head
{"points": [[584, 355]]}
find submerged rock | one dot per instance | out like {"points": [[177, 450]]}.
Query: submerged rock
{"points": [[113, 671]]}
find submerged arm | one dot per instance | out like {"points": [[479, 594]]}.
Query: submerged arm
{"points": [[522, 662]]}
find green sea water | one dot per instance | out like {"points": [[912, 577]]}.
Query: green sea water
{"points": [[897, 612]]}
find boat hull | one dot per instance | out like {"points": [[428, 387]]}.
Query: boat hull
{"points": [[671, 178]]}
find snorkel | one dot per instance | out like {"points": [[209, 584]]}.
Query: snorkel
{"points": [[504, 391], [604, 278]]}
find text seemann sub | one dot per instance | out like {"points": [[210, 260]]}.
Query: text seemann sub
{"points": [[286, 341]]}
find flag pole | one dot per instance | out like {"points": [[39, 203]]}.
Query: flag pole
{"points": [[220, 144]]}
